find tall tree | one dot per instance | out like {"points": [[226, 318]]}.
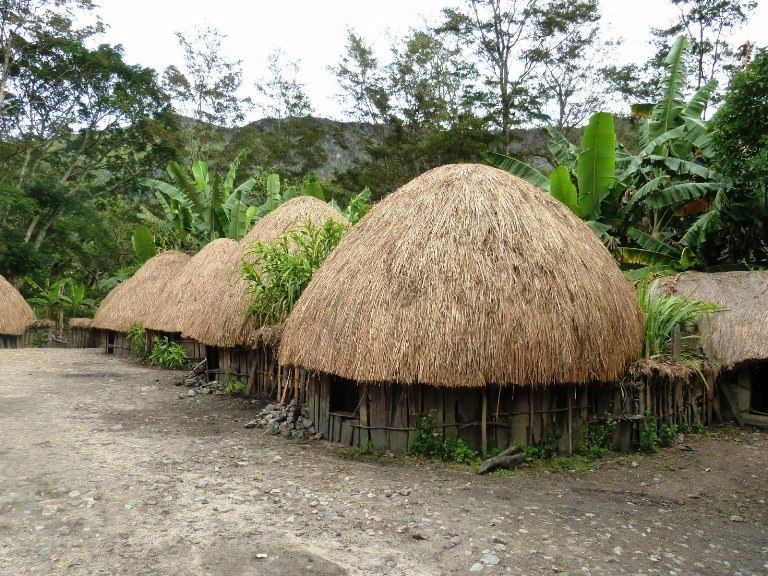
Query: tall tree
{"points": [[570, 72], [77, 124], [504, 36], [361, 80], [707, 24], [284, 94], [205, 88]]}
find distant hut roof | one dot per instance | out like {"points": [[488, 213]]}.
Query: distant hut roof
{"points": [[464, 276], [134, 300], [222, 321], [15, 313], [741, 333], [80, 322], [191, 285]]}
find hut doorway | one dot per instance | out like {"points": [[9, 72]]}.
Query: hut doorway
{"points": [[758, 397], [212, 362], [110, 342], [344, 397]]}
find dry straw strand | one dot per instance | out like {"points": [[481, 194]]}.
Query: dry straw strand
{"points": [[740, 334], [467, 275], [15, 314], [136, 299]]}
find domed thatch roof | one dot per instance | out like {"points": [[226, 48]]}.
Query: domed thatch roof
{"points": [[80, 322], [134, 300], [464, 276], [191, 286], [222, 323], [740, 334], [15, 313]]}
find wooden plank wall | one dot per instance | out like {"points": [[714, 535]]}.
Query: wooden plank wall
{"points": [[7, 341]]}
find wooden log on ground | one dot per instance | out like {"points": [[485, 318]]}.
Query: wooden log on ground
{"points": [[512, 457]]}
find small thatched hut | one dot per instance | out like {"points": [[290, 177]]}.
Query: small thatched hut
{"points": [[15, 315], [133, 301], [470, 294], [186, 292], [737, 339], [236, 347]]}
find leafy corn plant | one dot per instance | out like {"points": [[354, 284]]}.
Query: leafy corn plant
{"points": [[663, 312], [166, 354], [277, 272], [137, 340]]}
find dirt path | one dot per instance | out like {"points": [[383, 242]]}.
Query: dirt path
{"points": [[104, 470]]}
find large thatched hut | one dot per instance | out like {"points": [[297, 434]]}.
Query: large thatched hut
{"points": [[15, 315], [184, 296], [236, 347], [469, 294], [133, 301], [736, 339]]}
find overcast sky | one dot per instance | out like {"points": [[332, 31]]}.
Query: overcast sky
{"points": [[315, 31]]}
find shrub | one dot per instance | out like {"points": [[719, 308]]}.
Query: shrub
{"points": [[597, 437], [137, 340], [166, 354], [234, 385], [649, 439], [429, 443], [279, 271]]}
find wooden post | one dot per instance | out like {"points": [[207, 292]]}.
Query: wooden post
{"points": [[569, 391], [484, 423], [676, 343]]}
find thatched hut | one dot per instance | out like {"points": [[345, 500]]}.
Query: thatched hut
{"points": [[39, 334], [185, 293], [15, 315], [236, 347], [469, 294], [133, 301], [736, 339]]}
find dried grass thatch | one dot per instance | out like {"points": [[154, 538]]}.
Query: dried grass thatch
{"points": [[137, 298], [15, 313], [80, 322], [464, 276], [221, 321], [187, 294], [741, 333]]}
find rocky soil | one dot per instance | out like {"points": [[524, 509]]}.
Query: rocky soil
{"points": [[107, 468]]}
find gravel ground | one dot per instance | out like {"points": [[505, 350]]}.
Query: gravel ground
{"points": [[105, 470]]}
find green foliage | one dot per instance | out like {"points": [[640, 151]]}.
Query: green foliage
{"points": [[277, 272], [234, 386], [667, 434], [598, 436], [429, 442], [143, 244], [662, 312], [138, 340], [740, 127], [61, 299], [357, 208], [166, 354], [206, 206], [649, 439]]}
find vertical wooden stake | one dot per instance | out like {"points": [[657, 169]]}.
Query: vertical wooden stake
{"points": [[569, 391], [676, 343], [484, 423]]}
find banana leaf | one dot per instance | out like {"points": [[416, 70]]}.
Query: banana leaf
{"points": [[596, 163], [649, 243], [143, 243], [561, 188], [670, 95], [562, 151], [679, 194], [518, 168]]}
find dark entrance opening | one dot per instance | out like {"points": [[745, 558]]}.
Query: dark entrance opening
{"points": [[758, 394], [345, 396], [211, 362], [110, 342]]}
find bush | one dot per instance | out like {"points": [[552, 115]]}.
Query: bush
{"points": [[234, 385], [166, 354], [429, 443], [597, 437], [649, 439], [137, 340]]}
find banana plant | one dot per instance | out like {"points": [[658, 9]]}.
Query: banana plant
{"points": [[205, 204], [357, 208]]}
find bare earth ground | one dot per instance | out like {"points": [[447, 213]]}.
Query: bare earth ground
{"points": [[104, 470]]}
